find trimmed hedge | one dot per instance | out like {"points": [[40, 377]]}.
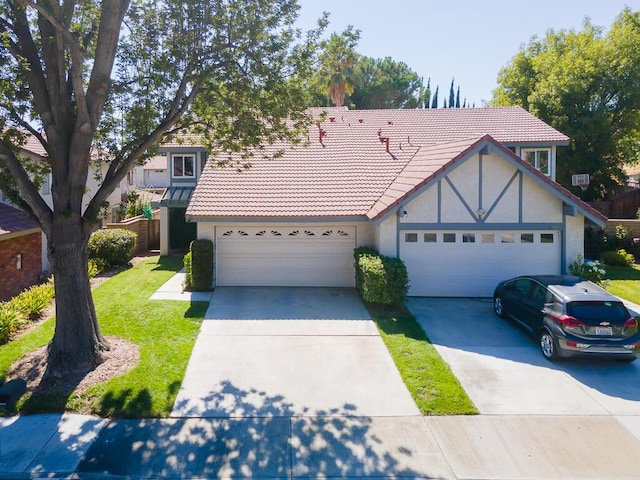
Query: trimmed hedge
{"points": [[198, 266], [188, 282], [380, 280], [111, 247], [202, 265]]}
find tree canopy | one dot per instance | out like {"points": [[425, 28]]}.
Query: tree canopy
{"points": [[385, 83], [587, 85], [106, 82]]}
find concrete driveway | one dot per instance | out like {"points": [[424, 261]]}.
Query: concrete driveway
{"points": [[282, 352], [503, 371]]}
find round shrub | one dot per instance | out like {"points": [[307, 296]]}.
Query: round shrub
{"points": [[617, 258], [111, 247]]}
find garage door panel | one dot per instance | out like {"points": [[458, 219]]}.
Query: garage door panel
{"points": [[318, 256], [474, 269]]}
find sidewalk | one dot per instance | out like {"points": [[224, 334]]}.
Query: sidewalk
{"points": [[483, 446]]}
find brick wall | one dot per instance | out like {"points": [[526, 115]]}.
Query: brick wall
{"points": [[12, 279]]}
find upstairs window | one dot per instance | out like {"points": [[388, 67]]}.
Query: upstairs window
{"points": [[184, 166], [538, 158]]}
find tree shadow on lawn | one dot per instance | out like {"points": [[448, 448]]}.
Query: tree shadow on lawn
{"points": [[165, 263], [397, 320], [264, 437], [623, 273]]}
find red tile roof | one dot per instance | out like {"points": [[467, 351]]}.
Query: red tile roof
{"points": [[350, 173], [13, 220]]}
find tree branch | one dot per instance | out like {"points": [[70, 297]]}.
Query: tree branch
{"points": [[38, 206], [119, 168]]}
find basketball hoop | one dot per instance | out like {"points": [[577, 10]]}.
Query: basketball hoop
{"points": [[580, 180]]}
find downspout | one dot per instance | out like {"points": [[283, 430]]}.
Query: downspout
{"points": [[563, 245]]}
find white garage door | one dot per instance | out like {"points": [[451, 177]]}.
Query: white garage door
{"points": [[285, 256], [470, 264]]}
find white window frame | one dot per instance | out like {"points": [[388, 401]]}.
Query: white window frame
{"points": [[536, 159], [182, 157]]}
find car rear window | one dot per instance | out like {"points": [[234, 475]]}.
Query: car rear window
{"points": [[614, 312]]}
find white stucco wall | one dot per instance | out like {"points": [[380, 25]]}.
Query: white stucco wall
{"points": [[501, 192], [574, 241], [539, 204], [387, 237]]}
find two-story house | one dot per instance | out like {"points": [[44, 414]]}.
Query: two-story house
{"points": [[465, 197]]}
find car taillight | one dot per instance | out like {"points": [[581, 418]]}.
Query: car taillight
{"points": [[631, 323], [567, 321]]}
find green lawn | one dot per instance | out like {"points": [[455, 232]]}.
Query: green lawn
{"points": [[433, 387], [624, 282], [164, 331]]}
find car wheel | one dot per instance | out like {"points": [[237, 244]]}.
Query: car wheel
{"points": [[498, 306], [548, 346]]}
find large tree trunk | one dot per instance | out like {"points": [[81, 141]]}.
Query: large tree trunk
{"points": [[77, 343]]}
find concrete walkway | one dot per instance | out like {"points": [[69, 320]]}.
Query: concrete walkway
{"points": [[255, 404]]}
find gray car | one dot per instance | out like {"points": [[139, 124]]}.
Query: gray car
{"points": [[570, 316]]}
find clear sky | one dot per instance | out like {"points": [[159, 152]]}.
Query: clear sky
{"points": [[469, 40]]}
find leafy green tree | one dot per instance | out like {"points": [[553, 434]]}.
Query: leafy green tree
{"points": [[586, 84], [118, 77], [337, 64], [385, 83]]}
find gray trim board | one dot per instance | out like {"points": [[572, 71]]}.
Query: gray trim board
{"points": [[481, 226]]}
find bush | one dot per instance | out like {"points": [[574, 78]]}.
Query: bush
{"points": [[617, 258], [202, 265], [111, 247], [592, 271], [188, 283], [11, 320], [596, 241], [357, 253], [382, 280], [32, 301]]}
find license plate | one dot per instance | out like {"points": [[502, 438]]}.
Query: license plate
{"points": [[604, 331]]}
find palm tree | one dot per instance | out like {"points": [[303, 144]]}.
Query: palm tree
{"points": [[337, 64]]}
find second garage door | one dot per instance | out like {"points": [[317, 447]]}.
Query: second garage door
{"points": [[470, 264], [285, 256]]}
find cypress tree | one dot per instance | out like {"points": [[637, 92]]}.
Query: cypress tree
{"points": [[434, 103], [452, 95], [458, 98]]}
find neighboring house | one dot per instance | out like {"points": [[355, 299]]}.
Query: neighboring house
{"points": [[185, 159], [33, 148], [20, 251], [152, 174], [465, 197]]}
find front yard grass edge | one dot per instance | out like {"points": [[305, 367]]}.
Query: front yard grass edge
{"points": [[427, 376]]}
